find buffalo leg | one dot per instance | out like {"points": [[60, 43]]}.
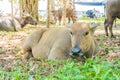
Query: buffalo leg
{"points": [[106, 24], [73, 19], [31, 41], [57, 54], [106, 30], [110, 28], [59, 19], [68, 19]]}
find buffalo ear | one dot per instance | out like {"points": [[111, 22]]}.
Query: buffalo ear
{"points": [[93, 26]]}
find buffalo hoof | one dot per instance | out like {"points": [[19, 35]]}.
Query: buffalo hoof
{"points": [[106, 35], [113, 36]]}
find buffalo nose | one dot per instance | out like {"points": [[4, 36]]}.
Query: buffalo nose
{"points": [[76, 51]]}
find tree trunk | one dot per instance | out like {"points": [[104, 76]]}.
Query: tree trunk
{"points": [[64, 13], [52, 5], [52, 8], [29, 7], [48, 13], [12, 7]]}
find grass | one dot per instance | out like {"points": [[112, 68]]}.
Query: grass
{"points": [[92, 69], [97, 68]]}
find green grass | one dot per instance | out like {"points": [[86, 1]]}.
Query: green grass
{"points": [[92, 69]]}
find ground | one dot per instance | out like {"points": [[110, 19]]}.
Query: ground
{"points": [[11, 42]]}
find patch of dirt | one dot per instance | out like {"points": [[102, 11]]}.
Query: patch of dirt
{"points": [[99, 32], [9, 47]]}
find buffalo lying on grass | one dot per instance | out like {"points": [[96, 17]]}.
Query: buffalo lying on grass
{"points": [[112, 12], [14, 24], [61, 43]]}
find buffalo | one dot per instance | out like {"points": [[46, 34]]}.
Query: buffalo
{"points": [[112, 12], [61, 43], [70, 14], [14, 24]]}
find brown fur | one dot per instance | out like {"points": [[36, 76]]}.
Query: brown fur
{"points": [[70, 14], [112, 12], [82, 37], [14, 23], [55, 43]]}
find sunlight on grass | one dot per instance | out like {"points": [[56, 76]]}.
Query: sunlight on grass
{"points": [[71, 69]]}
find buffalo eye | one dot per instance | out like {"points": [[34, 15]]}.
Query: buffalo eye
{"points": [[86, 33]]}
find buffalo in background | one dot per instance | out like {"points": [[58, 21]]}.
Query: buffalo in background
{"points": [[70, 14], [112, 12], [14, 24]]}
